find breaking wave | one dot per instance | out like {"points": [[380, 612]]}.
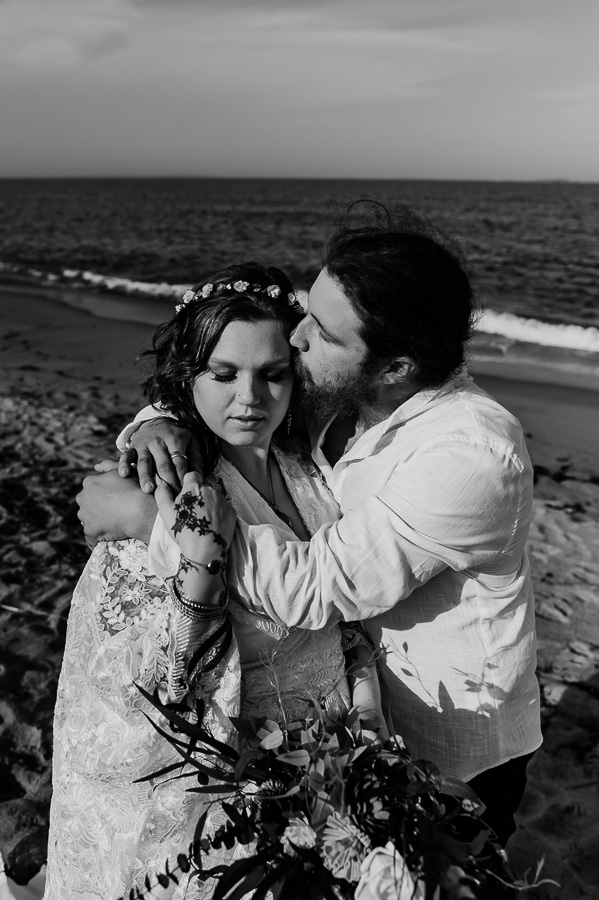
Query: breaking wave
{"points": [[535, 331], [508, 325]]}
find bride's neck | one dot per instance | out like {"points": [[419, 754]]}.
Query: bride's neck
{"points": [[252, 462]]}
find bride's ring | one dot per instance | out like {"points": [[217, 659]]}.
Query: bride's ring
{"points": [[179, 453]]}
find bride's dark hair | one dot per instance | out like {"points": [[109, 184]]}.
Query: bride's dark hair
{"points": [[182, 346]]}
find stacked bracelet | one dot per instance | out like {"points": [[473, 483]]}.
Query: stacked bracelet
{"points": [[200, 612]]}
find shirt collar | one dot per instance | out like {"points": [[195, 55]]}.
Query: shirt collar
{"points": [[408, 410]]}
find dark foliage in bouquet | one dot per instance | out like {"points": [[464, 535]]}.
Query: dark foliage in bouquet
{"points": [[325, 811]]}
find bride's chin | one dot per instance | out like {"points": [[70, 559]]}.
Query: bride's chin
{"points": [[247, 439]]}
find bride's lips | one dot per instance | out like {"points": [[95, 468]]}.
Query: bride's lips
{"points": [[248, 421]]}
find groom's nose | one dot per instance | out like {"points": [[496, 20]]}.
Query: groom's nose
{"points": [[299, 336]]}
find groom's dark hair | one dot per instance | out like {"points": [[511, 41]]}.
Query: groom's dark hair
{"points": [[409, 286]]}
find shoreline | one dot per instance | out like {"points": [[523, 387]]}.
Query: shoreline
{"points": [[526, 363], [62, 339], [491, 355], [69, 384]]}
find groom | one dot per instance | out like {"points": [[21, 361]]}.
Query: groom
{"points": [[435, 486]]}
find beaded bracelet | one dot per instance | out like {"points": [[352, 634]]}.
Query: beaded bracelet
{"points": [[200, 612], [203, 607]]}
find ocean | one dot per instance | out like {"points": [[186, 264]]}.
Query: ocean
{"points": [[99, 243]]}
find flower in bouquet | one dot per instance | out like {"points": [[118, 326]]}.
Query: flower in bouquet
{"points": [[298, 834], [385, 876], [344, 847], [310, 804]]}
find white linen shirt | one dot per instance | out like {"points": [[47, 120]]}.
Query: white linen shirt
{"points": [[436, 504]]}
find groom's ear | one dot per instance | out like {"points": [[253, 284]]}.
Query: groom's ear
{"points": [[399, 371]]}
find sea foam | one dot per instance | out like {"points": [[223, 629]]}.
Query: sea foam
{"points": [[534, 331], [507, 325], [160, 290], [516, 328]]}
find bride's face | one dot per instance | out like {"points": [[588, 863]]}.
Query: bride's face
{"points": [[244, 394]]}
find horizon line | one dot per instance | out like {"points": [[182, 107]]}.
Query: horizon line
{"points": [[293, 178]]}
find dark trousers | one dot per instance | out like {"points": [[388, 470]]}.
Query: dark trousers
{"points": [[501, 790]]}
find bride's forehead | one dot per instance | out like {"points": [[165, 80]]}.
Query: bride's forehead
{"points": [[252, 341]]}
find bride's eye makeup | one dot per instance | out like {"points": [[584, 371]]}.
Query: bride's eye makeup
{"points": [[277, 374], [225, 377]]}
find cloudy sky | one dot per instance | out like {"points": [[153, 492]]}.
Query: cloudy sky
{"points": [[476, 89]]}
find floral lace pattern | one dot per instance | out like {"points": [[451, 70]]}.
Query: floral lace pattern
{"points": [[107, 831], [284, 685], [309, 491]]}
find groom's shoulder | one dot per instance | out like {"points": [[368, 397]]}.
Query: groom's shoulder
{"points": [[475, 412], [477, 401]]}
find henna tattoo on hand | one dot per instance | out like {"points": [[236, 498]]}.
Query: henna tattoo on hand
{"points": [[186, 517]]}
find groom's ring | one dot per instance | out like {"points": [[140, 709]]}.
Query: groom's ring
{"points": [[179, 453]]}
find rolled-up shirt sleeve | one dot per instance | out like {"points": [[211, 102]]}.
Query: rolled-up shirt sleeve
{"points": [[457, 503], [144, 415]]}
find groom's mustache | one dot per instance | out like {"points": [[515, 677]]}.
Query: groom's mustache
{"points": [[301, 372]]}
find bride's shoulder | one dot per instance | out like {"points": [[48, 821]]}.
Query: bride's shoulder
{"points": [[297, 460], [307, 487]]}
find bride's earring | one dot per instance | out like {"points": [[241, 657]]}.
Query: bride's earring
{"points": [[288, 422]]}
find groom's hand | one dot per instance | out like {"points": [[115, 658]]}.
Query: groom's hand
{"points": [[160, 447], [112, 509]]}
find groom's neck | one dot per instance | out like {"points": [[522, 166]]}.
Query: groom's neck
{"points": [[340, 436], [343, 433]]}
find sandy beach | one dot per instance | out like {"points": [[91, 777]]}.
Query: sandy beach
{"points": [[69, 383]]}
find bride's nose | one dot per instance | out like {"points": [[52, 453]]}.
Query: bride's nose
{"points": [[248, 390]]}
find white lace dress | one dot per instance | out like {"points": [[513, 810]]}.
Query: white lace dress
{"points": [[107, 831]]}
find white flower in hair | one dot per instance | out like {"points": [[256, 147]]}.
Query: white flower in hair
{"points": [[273, 290], [295, 303], [188, 297], [241, 286], [206, 290]]}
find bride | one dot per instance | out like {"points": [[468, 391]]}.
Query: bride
{"points": [[223, 367]]}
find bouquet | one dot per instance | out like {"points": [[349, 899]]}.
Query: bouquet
{"points": [[323, 810]]}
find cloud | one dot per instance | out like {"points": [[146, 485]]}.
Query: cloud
{"points": [[208, 85], [62, 34], [236, 5], [575, 100], [571, 94]]}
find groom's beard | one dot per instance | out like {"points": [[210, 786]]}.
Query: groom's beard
{"points": [[341, 396]]}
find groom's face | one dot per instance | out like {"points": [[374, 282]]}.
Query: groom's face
{"points": [[333, 361]]}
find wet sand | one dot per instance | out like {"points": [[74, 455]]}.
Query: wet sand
{"points": [[69, 383]]}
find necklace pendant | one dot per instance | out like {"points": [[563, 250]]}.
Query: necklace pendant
{"points": [[283, 516], [269, 502]]}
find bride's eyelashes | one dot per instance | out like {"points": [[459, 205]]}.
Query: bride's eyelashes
{"points": [[229, 377], [225, 379]]}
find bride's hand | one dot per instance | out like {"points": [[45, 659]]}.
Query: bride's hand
{"points": [[199, 519]]}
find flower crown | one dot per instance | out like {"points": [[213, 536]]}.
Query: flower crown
{"points": [[272, 290]]}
